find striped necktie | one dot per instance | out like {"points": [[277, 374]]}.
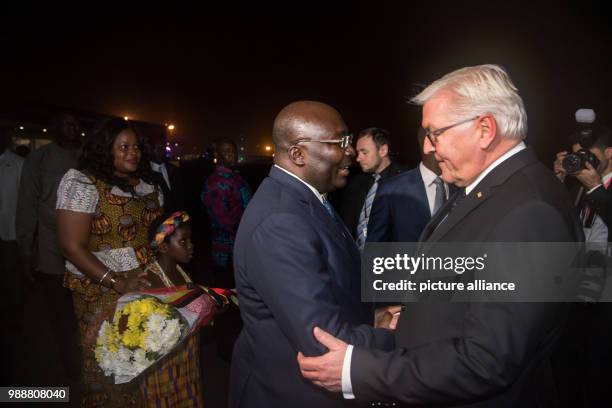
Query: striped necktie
{"points": [[364, 215], [440, 197]]}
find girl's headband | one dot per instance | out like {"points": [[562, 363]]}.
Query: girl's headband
{"points": [[168, 227]]}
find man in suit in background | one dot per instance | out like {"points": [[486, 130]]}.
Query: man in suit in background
{"points": [[405, 203], [169, 177], [296, 265], [354, 202], [484, 354]]}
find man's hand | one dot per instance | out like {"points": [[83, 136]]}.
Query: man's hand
{"points": [[326, 370], [558, 168], [588, 177], [386, 317]]}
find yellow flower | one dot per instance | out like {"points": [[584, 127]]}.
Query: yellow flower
{"points": [[131, 338]]}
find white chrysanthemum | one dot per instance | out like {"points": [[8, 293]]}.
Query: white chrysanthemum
{"points": [[140, 362], [162, 333], [170, 335], [155, 327]]}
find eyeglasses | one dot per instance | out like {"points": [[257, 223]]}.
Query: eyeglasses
{"points": [[344, 142], [432, 135]]}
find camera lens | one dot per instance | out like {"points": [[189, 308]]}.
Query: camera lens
{"points": [[572, 163]]}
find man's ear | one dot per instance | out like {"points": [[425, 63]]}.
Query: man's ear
{"points": [[608, 153], [488, 130], [162, 248], [296, 155], [383, 151]]}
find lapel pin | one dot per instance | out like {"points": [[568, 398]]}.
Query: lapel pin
{"points": [[479, 194]]}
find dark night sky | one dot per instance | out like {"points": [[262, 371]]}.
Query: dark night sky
{"points": [[229, 72]]}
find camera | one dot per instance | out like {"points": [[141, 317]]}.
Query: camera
{"points": [[584, 135], [574, 162]]}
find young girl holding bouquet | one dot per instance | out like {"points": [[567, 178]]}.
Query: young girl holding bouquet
{"points": [[175, 382]]}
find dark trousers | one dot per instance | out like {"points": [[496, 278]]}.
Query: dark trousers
{"points": [[12, 297], [11, 313], [227, 325], [63, 325]]}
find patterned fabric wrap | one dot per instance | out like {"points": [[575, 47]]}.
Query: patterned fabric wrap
{"points": [[168, 227], [175, 381], [225, 195]]}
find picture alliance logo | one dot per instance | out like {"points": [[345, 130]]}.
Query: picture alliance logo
{"points": [[411, 264]]}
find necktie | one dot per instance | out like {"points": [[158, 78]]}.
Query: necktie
{"points": [[328, 207], [459, 196], [441, 215], [440, 198], [453, 203], [337, 220], [364, 215]]}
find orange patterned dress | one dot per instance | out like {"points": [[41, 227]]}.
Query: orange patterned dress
{"points": [[119, 238]]}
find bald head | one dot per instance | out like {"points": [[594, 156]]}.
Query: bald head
{"points": [[297, 128], [304, 120]]}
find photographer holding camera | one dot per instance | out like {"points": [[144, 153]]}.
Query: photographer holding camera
{"points": [[590, 164], [584, 355]]}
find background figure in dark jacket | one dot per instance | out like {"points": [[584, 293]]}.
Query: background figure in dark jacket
{"points": [[168, 176], [373, 155], [36, 227], [405, 203]]}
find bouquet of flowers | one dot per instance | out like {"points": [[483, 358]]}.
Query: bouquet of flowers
{"points": [[146, 326], [141, 332]]}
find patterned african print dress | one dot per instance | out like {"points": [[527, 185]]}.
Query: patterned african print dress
{"points": [[119, 235]]}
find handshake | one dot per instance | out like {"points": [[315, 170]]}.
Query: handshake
{"points": [[386, 317]]}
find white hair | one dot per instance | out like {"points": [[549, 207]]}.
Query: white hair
{"points": [[479, 90]]}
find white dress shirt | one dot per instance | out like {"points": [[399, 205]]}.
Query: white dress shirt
{"points": [[161, 168], [500, 160], [429, 178], [319, 196]]}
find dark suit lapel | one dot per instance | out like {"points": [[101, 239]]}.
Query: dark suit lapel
{"points": [[315, 207], [477, 196]]}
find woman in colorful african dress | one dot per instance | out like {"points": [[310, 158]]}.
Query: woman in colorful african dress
{"points": [[104, 210]]}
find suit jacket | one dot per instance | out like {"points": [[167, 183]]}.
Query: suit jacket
{"points": [[349, 200], [295, 268], [174, 196], [400, 210], [476, 353]]}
